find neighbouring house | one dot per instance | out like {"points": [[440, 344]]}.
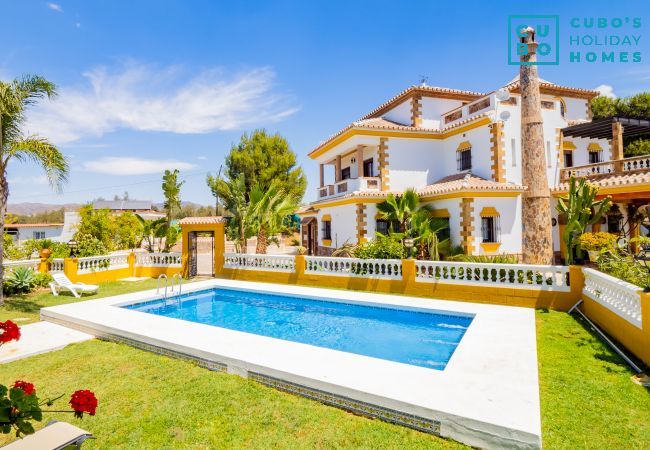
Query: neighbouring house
{"points": [[461, 151], [21, 232], [143, 208]]}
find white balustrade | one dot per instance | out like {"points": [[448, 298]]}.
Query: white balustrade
{"points": [[171, 259], [56, 265], [636, 163], [354, 267], [9, 266], [102, 263], [272, 263], [498, 275], [618, 296]]}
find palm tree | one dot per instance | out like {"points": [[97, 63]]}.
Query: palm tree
{"points": [[425, 230], [268, 210], [235, 199], [399, 208], [15, 97]]}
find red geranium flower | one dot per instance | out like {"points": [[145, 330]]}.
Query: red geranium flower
{"points": [[83, 401], [26, 387], [10, 332]]}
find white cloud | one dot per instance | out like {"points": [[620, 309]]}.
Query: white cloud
{"points": [[127, 165], [55, 7], [41, 179], [139, 97], [606, 90]]}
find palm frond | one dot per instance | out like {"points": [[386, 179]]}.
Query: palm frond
{"points": [[45, 154]]}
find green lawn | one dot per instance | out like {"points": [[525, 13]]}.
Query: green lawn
{"points": [[24, 309], [150, 401]]}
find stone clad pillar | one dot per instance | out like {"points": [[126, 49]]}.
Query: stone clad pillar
{"points": [[322, 175], [617, 145], [337, 169], [537, 242], [359, 161]]}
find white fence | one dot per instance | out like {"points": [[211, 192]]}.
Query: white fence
{"points": [[390, 269], [499, 275], [10, 266], [273, 263], [171, 259], [101, 263], [614, 294], [56, 265]]}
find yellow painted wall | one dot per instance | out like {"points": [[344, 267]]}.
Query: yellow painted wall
{"points": [[70, 266], [636, 340]]}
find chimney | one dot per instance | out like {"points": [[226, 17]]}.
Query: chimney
{"points": [[537, 245]]}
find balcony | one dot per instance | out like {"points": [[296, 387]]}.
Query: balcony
{"points": [[350, 185], [617, 166]]}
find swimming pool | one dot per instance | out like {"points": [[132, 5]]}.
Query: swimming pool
{"points": [[424, 339]]}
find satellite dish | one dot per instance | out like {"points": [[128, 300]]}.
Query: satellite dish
{"points": [[505, 115], [503, 95]]}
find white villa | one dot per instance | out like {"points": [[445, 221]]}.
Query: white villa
{"points": [[461, 151]]}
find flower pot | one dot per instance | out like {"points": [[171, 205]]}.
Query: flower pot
{"points": [[45, 253]]}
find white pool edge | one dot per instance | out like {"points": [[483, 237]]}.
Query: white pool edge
{"points": [[487, 396]]}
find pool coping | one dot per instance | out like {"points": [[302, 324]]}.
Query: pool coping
{"points": [[483, 397]]}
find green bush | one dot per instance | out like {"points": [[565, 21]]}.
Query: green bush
{"points": [[13, 251], [620, 264], [381, 247], [486, 259], [88, 245], [21, 281], [42, 279]]}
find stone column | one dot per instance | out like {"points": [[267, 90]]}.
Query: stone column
{"points": [[337, 169], [536, 205], [359, 161], [322, 175], [617, 145]]}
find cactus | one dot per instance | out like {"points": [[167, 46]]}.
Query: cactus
{"points": [[581, 210]]}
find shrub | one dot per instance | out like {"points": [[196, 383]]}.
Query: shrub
{"points": [[88, 245], [381, 247], [597, 241], [42, 279], [21, 281], [347, 250], [486, 259], [620, 264]]}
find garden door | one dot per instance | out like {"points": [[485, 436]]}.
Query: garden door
{"points": [[192, 257]]}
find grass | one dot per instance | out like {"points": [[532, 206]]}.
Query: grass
{"points": [[24, 309], [150, 401]]}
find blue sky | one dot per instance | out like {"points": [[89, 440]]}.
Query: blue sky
{"points": [[146, 85]]}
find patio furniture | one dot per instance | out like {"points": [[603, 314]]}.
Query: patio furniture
{"points": [[54, 436], [61, 281]]}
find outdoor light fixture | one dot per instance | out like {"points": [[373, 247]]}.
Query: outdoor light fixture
{"points": [[409, 243], [72, 245], [644, 258]]}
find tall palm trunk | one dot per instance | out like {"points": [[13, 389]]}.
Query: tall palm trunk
{"points": [[262, 242], [4, 195], [537, 239]]}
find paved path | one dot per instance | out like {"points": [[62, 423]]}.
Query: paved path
{"points": [[40, 337]]}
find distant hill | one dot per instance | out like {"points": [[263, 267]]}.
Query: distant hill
{"points": [[27, 209]]}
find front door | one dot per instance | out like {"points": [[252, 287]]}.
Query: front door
{"points": [[192, 257]]}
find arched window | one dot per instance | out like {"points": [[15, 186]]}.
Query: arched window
{"points": [[464, 156], [562, 106]]}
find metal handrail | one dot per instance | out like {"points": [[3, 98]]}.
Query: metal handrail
{"points": [[162, 275], [180, 282]]}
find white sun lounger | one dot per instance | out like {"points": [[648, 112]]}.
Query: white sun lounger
{"points": [[61, 281], [53, 436]]}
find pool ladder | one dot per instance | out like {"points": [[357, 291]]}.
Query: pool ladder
{"points": [[174, 278]]}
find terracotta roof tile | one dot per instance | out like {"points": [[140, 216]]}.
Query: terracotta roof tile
{"points": [[201, 220], [466, 182], [612, 180]]}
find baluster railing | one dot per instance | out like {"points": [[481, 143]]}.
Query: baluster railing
{"points": [[354, 267], [273, 263], [102, 263], [618, 296]]}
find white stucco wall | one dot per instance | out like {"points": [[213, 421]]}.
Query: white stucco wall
{"points": [[434, 108], [344, 224], [576, 108], [581, 153], [509, 209], [414, 162], [26, 233], [481, 152], [401, 113]]}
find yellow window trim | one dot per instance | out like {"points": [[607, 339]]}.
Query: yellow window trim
{"points": [[489, 211], [465, 145], [490, 247], [595, 147], [568, 145], [326, 218], [440, 213]]}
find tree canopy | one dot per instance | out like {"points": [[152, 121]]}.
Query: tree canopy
{"points": [[634, 107], [265, 159]]}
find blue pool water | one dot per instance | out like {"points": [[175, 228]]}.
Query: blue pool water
{"points": [[417, 338]]}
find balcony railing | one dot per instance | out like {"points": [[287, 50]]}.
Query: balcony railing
{"points": [[350, 185], [618, 166]]}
